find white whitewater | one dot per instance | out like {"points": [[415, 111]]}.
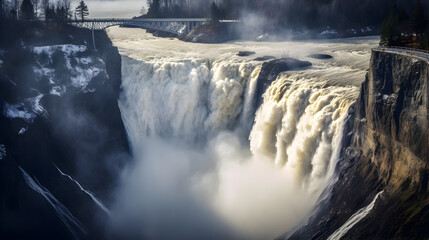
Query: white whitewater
{"points": [[201, 154], [91, 195], [354, 219], [70, 221]]}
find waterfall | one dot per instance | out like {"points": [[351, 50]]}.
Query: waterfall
{"points": [[205, 165], [91, 195], [199, 112], [354, 219]]}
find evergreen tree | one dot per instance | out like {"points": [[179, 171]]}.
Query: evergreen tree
{"points": [[418, 20], [214, 15], [1, 8], [391, 27], [26, 11], [154, 8], [82, 10]]}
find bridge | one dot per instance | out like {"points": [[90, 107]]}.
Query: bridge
{"points": [[179, 26]]}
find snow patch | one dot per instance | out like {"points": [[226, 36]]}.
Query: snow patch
{"points": [[329, 32], [58, 90], [81, 69], [389, 98], [27, 110], [22, 131], [69, 49], [2, 151], [86, 75]]}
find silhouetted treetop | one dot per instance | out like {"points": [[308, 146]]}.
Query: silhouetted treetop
{"points": [[26, 10]]}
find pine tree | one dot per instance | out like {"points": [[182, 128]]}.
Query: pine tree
{"points": [[154, 8], [214, 15], [391, 27], [1, 8], [418, 20], [26, 11], [82, 10]]}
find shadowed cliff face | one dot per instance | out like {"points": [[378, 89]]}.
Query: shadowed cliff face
{"points": [[386, 149], [61, 137]]}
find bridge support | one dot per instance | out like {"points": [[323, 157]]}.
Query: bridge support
{"points": [[93, 37]]}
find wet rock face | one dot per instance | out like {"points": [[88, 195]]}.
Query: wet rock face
{"points": [[269, 72], [245, 53], [385, 148], [320, 56], [397, 100], [264, 58]]}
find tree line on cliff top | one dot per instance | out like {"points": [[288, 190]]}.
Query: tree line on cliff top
{"points": [[49, 10], [404, 30], [24, 19], [338, 14]]}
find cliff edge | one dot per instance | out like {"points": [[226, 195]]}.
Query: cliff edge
{"points": [[384, 165]]}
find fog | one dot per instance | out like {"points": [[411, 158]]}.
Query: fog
{"points": [[112, 9]]}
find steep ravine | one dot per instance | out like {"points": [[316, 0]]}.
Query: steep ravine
{"points": [[386, 149]]}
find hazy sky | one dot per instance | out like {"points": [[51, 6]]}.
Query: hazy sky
{"points": [[115, 9]]}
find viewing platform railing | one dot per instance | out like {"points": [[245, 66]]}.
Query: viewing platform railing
{"points": [[414, 52], [404, 48]]}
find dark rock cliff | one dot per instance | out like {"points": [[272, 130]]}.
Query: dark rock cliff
{"points": [[269, 72], [386, 148], [78, 128]]}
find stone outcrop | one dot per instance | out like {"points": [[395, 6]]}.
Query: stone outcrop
{"points": [[269, 72]]}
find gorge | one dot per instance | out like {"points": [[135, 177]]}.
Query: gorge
{"points": [[219, 146]]}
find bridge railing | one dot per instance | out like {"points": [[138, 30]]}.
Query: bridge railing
{"points": [[403, 48]]}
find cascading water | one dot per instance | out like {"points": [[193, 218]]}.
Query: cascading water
{"points": [[189, 121]]}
